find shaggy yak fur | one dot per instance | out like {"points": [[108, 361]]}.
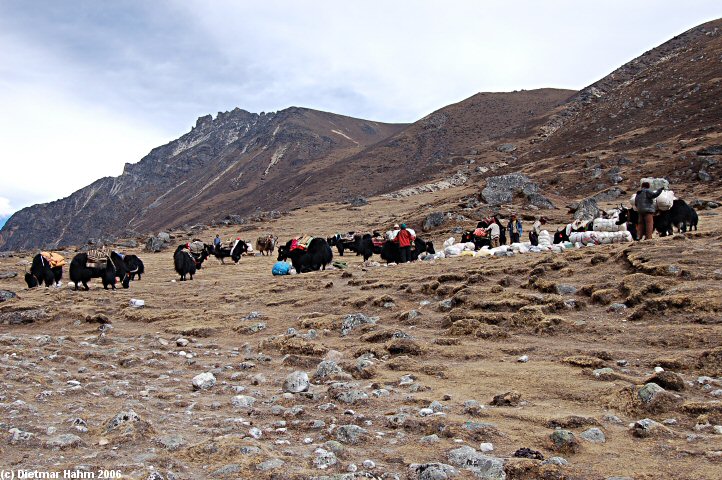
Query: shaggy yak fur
{"points": [[391, 253], [40, 272], [316, 256], [342, 244], [80, 272], [185, 263], [235, 253], [680, 215], [631, 218], [266, 244], [134, 265]]}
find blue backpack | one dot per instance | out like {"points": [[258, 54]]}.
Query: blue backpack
{"points": [[281, 268]]}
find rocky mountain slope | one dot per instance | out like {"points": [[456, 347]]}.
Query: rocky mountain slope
{"points": [[656, 115], [230, 164]]}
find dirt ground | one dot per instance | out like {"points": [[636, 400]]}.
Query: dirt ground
{"points": [[457, 326]]}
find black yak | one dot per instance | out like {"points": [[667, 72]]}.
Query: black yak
{"points": [[185, 263], [42, 272], [680, 215], [315, 256], [221, 253], [391, 253], [364, 246], [134, 266], [114, 267], [343, 243], [631, 218]]}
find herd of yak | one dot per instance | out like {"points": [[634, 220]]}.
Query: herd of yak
{"points": [[316, 256]]}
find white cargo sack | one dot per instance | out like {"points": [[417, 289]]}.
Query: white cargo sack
{"points": [[632, 200], [608, 225], [449, 242], [665, 200]]}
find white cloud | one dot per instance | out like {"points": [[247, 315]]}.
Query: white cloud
{"points": [[5, 208], [86, 87], [52, 146]]}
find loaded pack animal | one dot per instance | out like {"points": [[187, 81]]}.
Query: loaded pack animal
{"points": [[186, 263], [391, 253], [235, 251], [43, 271], [134, 265], [266, 244], [680, 215], [198, 251], [98, 264], [562, 235], [631, 218], [315, 256], [478, 237], [343, 243]]}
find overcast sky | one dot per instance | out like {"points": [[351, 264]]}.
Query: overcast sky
{"points": [[86, 86]]}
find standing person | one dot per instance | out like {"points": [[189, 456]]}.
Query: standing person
{"points": [[502, 230], [644, 201], [536, 230], [515, 229], [217, 241], [404, 238], [494, 231]]}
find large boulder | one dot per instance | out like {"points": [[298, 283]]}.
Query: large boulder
{"points": [[503, 188], [434, 220], [587, 209]]}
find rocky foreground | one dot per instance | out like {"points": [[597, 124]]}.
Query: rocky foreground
{"points": [[597, 363]]}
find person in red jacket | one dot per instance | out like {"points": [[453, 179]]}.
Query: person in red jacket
{"points": [[404, 239]]}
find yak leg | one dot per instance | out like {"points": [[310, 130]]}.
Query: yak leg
{"points": [[85, 285]]}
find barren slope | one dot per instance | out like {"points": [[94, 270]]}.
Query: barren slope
{"points": [[500, 309]]}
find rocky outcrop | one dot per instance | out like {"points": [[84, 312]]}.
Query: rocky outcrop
{"points": [[232, 164], [504, 188]]}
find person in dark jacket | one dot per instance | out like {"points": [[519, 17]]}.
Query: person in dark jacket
{"points": [[404, 239], [644, 201], [515, 229]]}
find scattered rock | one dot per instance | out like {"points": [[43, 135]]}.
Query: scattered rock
{"points": [[508, 399], [564, 441], [431, 471], [355, 320], [204, 381], [483, 466], [270, 464], [351, 434], [296, 382], [62, 442], [171, 442], [324, 459], [647, 428], [243, 401], [6, 295], [593, 435]]}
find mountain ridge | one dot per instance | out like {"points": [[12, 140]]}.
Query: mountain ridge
{"points": [[648, 117]]}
